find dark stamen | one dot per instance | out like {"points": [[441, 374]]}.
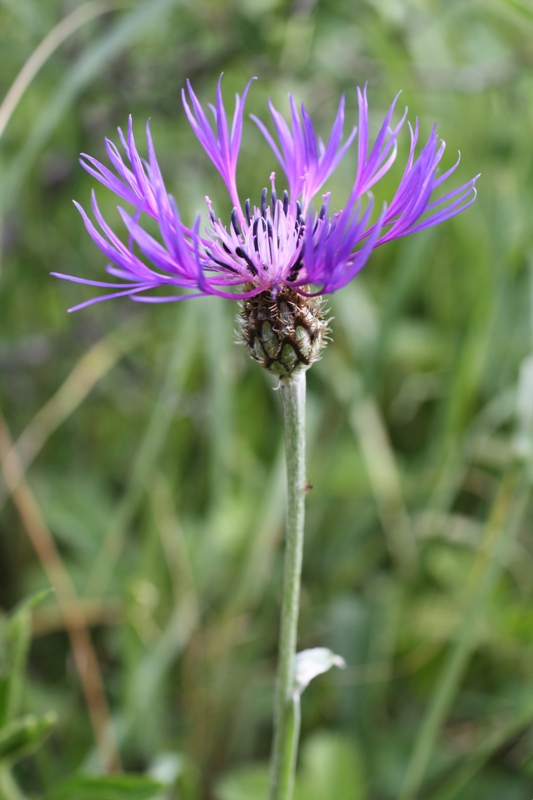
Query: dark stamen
{"points": [[300, 226], [285, 202], [248, 212], [270, 232], [293, 274], [255, 227], [320, 218], [299, 218], [274, 201], [295, 269], [264, 203], [239, 251], [221, 263], [235, 222]]}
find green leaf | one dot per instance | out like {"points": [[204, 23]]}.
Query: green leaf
{"points": [[5, 685], [250, 783], [15, 635], [116, 787], [331, 768], [25, 735], [30, 602], [523, 440]]}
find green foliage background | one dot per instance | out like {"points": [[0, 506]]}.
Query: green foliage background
{"points": [[158, 468]]}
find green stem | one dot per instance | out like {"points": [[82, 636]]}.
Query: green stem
{"points": [[286, 704]]}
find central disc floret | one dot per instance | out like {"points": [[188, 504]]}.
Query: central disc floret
{"points": [[264, 245]]}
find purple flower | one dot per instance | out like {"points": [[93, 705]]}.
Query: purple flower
{"points": [[281, 242]]}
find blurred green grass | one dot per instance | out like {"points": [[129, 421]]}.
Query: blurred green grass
{"points": [[163, 482]]}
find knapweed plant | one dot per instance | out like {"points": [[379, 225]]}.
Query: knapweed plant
{"points": [[278, 258]]}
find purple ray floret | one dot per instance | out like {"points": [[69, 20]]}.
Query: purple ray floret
{"points": [[281, 241]]}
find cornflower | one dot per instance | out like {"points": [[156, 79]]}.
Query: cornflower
{"points": [[278, 257], [281, 250]]}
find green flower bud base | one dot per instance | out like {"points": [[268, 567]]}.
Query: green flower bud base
{"points": [[284, 332]]}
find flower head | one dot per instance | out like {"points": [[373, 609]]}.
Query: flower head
{"points": [[277, 256], [281, 241]]}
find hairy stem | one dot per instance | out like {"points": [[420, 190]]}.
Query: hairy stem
{"points": [[286, 703]]}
